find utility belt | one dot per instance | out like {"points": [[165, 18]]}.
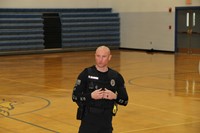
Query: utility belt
{"points": [[95, 110], [82, 110]]}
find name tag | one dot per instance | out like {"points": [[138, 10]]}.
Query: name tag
{"points": [[93, 77]]}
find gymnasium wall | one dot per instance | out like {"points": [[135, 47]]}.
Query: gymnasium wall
{"points": [[54, 3], [144, 23]]}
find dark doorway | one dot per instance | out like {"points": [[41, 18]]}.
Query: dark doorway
{"points": [[187, 30], [52, 30]]}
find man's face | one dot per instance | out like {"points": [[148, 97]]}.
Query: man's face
{"points": [[102, 57]]}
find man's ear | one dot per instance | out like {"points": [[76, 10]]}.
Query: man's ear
{"points": [[110, 56]]}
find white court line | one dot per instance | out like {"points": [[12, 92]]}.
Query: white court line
{"points": [[168, 125], [162, 110], [28, 83], [156, 127]]}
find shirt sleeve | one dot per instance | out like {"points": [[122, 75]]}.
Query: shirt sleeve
{"points": [[79, 95], [122, 96]]}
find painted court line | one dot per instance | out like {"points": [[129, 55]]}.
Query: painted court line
{"points": [[156, 127], [162, 110], [32, 124]]}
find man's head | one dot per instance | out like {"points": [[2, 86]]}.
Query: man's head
{"points": [[102, 57]]}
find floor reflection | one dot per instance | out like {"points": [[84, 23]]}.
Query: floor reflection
{"points": [[187, 75]]}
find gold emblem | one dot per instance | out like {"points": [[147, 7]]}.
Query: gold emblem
{"points": [[5, 107]]}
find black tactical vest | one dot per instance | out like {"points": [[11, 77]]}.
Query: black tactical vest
{"points": [[97, 80]]}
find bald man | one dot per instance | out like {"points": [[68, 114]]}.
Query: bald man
{"points": [[97, 92]]}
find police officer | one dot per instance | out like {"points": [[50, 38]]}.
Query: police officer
{"points": [[97, 92]]}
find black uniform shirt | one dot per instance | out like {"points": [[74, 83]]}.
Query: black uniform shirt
{"points": [[91, 79]]}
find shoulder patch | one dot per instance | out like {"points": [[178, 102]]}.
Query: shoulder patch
{"points": [[78, 82]]}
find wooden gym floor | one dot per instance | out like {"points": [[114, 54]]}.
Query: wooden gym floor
{"points": [[164, 92]]}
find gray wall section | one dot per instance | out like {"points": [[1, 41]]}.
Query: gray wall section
{"points": [[147, 30], [142, 21]]}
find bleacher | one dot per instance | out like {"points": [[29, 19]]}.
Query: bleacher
{"points": [[90, 29], [23, 29]]}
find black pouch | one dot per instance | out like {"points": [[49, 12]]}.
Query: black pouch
{"points": [[80, 113]]}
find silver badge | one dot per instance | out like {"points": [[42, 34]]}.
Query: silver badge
{"points": [[112, 82]]}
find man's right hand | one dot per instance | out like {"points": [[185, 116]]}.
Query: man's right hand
{"points": [[97, 94]]}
